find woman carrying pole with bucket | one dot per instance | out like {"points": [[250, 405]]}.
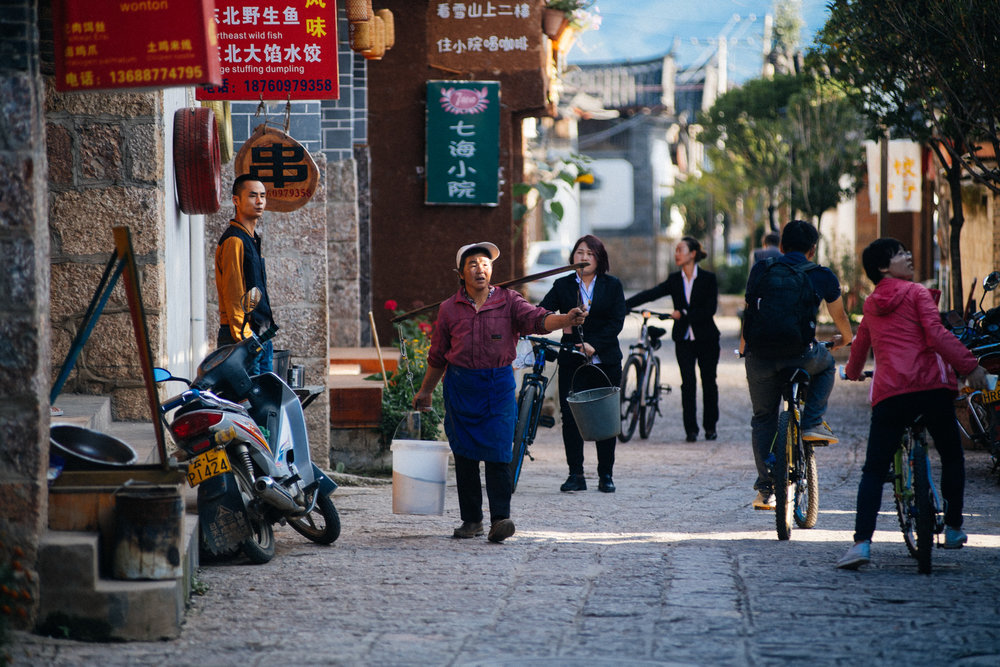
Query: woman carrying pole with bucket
{"points": [[472, 348], [602, 296]]}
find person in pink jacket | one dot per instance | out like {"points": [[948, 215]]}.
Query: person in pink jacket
{"points": [[916, 360]]}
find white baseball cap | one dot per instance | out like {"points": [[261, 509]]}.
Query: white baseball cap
{"points": [[491, 249]]}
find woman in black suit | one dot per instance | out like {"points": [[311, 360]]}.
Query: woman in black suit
{"points": [[601, 294], [695, 294]]}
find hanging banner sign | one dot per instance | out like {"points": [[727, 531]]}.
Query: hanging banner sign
{"points": [[283, 51], [463, 142], [134, 44], [282, 164], [476, 36], [904, 188]]}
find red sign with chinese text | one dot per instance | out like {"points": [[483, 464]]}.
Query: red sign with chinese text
{"points": [[276, 51], [134, 44]]}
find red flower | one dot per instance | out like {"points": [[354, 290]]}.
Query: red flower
{"points": [[425, 327], [391, 305]]}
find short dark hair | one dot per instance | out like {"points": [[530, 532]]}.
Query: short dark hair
{"points": [[878, 255], [798, 236], [596, 247], [240, 180], [772, 238], [694, 245]]}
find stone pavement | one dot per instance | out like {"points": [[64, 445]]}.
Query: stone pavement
{"points": [[673, 569]]}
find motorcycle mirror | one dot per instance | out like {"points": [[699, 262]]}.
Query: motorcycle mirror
{"points": [[161, 375], [991, 281], [250, 300]]}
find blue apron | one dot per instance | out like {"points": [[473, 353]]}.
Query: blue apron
{"points": [[480, 412]]}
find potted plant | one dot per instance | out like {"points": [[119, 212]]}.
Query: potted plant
{"points": [[560, 14]]}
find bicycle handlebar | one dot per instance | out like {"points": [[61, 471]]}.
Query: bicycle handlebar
{"points": [[548, 342], [644, 311], [843, 373]]}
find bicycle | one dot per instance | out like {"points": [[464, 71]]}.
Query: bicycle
{"points": [[529, 402], [640, 388], [793, 460], [918, 503]]}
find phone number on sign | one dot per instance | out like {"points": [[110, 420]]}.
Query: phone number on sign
{"points": [[153, 74], [287, 85], [289, 193]]}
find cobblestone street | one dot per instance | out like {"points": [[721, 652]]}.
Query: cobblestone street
{"points": [[674, 569]]}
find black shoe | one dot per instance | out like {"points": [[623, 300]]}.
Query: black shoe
{"points": [[711, 435], [606, 485], [574, 483], [501, 530], [691, 437], [469, 529]]}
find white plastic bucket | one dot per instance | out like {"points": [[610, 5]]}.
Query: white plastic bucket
{"points": [[419, 472]]}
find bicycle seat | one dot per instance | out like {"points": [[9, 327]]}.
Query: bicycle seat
{"points": [[655, 333]]}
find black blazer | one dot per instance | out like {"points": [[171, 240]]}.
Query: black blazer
{"points": [[698, 314], [606, 317]]}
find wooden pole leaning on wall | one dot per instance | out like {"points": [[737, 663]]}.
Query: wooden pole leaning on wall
{"points": [[378, 349]]}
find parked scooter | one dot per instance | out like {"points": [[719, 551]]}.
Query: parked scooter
{"points": [[245, 445], [978, 330]]}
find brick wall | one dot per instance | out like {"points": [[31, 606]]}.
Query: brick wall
{"points": [[24, 297]]}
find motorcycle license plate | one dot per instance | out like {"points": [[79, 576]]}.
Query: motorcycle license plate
{"points": [[987, 397], [207, 465]]}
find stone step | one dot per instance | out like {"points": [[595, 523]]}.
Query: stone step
{"points": [[84, 410]]}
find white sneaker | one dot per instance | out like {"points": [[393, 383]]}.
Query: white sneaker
{"points": [[762, 502], [820, 435], [856, 556]]}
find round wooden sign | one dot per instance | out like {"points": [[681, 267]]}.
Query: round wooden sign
{"points": [[282, 164]]}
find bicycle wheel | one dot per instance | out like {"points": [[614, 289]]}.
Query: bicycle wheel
{"points": [[651, 399], [630, 397], [784, 488], [925, 506], [522, 433], [807, 489], [906, 510]]}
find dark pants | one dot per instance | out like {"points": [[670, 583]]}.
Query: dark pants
{"points": [[572, 440], [706, 354], [264, 363], [889, 418], [470, 489]]}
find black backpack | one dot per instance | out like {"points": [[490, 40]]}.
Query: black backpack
{"points": [[780, 318]]}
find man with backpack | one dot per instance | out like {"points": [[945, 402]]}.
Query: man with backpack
{"points": [[779, 325]]}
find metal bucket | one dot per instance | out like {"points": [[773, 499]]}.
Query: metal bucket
{"points": [[597, 411], [147, 542]]}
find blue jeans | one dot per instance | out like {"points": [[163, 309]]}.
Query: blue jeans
{"points": [[264, 363], [889, 418], [766, 378]]}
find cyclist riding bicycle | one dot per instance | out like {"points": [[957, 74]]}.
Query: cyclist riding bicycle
{"points": [[916, 359], [780, 299]]}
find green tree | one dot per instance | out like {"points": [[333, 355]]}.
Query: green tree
{"points": [[925, 70]]}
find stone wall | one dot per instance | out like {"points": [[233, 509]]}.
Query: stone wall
{"points": [[343, 253], [24, 298], [106, 159]]}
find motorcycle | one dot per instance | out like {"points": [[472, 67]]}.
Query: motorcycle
{"points": [[978, 330], [244, 443]]}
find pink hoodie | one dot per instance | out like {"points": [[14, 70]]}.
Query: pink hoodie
{"points": [[913, 350]]}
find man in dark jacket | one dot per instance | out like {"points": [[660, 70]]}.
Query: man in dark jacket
{"points": [[239, 265]]}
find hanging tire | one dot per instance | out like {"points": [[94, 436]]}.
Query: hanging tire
{"points": [[630, 392], [197, 164]]}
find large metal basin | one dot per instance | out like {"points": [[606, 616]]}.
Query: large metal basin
{"points": [[84, 449]]}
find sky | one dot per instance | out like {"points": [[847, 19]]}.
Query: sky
{"points": [[642, 29]]}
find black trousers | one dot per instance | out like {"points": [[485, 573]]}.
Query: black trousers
{"points": [[470, 489], [572, 440], [704, 353]]}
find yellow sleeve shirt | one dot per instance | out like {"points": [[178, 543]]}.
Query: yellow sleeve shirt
{"points": [[229, 282]]}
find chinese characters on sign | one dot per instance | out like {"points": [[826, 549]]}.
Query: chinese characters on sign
{"points": [[904, 187], [473, 36], [276, 50], [133, 44], [282, 164], [463, 142]]}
